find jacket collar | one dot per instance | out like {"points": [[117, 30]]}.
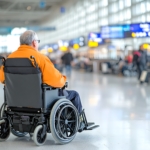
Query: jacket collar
{"points": [[26, 47]]}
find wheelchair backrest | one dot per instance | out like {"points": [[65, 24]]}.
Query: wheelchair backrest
{"points": [[23, 83]]}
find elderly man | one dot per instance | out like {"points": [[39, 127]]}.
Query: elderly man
{"points": [[29, 43]]}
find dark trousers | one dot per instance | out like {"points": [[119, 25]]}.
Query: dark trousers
{"points": [[74, 97], [68, 69], [140, 68]]}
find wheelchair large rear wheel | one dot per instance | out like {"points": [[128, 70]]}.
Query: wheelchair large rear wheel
{"points": [[64, 121], [4, 129], [2, 110]]}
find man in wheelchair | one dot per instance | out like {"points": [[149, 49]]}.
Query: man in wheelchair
{"points": [[30, 108]]}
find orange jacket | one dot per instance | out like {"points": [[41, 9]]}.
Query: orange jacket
{"points": [[50, 75]]}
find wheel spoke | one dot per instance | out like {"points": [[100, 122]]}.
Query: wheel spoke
{"points": [[70, 127], [71, 121], [38, 138], [69, 115], [66, 130], [62, 116], [61, 125], [66, 110], [59, 120]]}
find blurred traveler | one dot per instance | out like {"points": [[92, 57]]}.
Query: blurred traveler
{"points": [[129, 58], [67, 60], [140, 59], [50, 75]]}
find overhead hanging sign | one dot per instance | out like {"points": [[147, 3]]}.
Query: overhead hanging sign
{"points": [[77, 42], [63, 45], [19, 30], [62, 10], [139, 30], [42, 4], [94, 39]]}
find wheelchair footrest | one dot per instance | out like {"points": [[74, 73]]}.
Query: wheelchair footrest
{"points": [[91, 126], [84, 125]]}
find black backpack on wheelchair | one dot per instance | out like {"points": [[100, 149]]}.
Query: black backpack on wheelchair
{"points": [[35, 108]]}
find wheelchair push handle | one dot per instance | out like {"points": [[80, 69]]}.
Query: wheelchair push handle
{"points": [[66, 84], [35, 64], [2, 60]]}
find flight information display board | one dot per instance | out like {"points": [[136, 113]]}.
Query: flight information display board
{"points": [[138, 30], [77, 43], [94, 39]]}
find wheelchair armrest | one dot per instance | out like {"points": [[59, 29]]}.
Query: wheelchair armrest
{"points": [[45, 86], [62, 97]]}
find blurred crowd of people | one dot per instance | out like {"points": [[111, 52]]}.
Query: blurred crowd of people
{"points": [[64, 62], [136, 63]]}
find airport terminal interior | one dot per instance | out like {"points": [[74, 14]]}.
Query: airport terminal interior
{"points": [[103, 48]]}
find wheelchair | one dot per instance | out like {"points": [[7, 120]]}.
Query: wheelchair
{"points": [[31, 107]]}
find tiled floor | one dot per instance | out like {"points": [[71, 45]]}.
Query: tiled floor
{"points": [[119, 105]]}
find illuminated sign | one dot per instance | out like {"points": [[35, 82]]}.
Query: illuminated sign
{"points": [[139, 30], [94, 40], [54, 46], [77, 43], [63, 45]]}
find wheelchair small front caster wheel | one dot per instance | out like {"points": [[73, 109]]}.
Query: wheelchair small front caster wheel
{"points": [[38, 138], [31, 135], [4, 129]]}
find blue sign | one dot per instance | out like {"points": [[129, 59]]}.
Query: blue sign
{"points": [[8, 30], [5, 30], [54, 46], [95, 37], [80, 41], [115, 31], [62, 10], [138, 30], [42, 4], [38, 28]]}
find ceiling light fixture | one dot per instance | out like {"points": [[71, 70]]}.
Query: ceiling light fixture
{"points": [[29, 8]]}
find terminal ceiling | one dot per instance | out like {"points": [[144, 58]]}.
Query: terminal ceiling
{"points": [[27, 12]]}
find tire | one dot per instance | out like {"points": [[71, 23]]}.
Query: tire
{"points": [[17, 133], [37, 136], [2, 110], [4, 130], [64, 130]]}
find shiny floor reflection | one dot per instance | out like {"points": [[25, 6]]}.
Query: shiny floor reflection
{"points": [[119, 105]]}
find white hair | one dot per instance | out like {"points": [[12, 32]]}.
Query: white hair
{"points": [[28, 37]]}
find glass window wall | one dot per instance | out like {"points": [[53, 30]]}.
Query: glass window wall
{"points": [[88, 15], [103, 3]]}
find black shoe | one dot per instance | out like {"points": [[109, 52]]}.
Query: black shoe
{"points": [[81, 127], [141, 82]]}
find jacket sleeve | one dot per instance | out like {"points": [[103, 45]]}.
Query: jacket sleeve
{"points": [[50, 74], [2, 74]]}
